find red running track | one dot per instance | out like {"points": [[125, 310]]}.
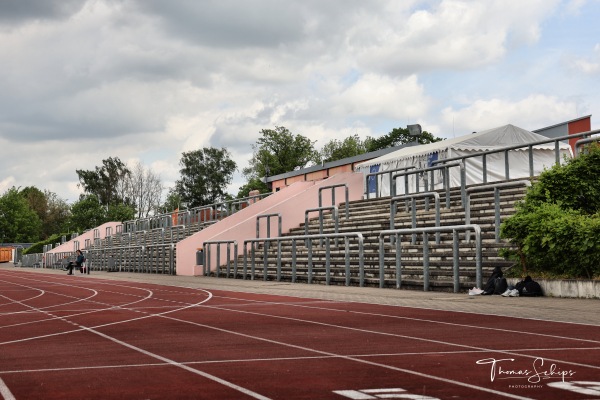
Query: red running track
{"points": [[81, 338]]}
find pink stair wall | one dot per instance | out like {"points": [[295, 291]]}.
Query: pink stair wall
{"points": [[291, 202], [69, 246]]}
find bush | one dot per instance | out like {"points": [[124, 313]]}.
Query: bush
{"points": [[39, 246], [557, 225]]}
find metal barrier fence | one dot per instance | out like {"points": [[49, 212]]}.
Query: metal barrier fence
{"points": [[149, 258], [309, 239], [333, 203], [398, 233], [204, 214], [582, 142], [483, 155], [232, 250], [321, 211], [445, 180], [375, 177], [496, 187], [412, 197], [31, 260], [528, 146]]}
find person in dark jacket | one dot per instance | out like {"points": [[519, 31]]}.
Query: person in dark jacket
{"points": [[79, 260]]}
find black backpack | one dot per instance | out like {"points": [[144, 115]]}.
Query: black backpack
{"points": [[490, 285], [529, 287], [500, 285]]}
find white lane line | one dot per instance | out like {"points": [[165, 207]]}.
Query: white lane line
{"points": [[159, 357], [416, 338], [5, 391], [416, 319], [354, 359], [265, 359], [183, 366]]}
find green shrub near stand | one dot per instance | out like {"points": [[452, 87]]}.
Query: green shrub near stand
{"points": [[556, 228]]}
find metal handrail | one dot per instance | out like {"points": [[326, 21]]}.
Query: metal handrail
{"points": [[184, 217], [321, 210], [446, 180], [207, 247], [309, 240], [376, 176], [125, 250], [332, 187], [529, 147], [425, 231], [394, 209], [582, 142], [268, 218], [496, 188]]}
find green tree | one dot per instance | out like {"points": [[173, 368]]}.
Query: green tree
{"points": [[108, 182], [253, 184], [556, 227], [52, 211], [172, 202], [18, 222], [57, 215], [278, 151], [337, 150], [120, 213], [87, 213], [397, 137], [205, 174]]}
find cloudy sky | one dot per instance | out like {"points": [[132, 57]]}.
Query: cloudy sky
{"points": [[145, 80]]}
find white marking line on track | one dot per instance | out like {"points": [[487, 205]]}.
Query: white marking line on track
{"points": [[264, 359], [336, 355], [354, 359], [5, 391], [416, 338], [417, 319], [161, 358], [110, 306]]}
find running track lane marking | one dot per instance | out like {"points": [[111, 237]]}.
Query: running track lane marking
{"points": [[5, 392], [153, 355], [337, 355], [306, 349], [303, 305], [403, 336], [350, 358]]}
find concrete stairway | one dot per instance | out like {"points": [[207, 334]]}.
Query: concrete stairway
{"points": [[370, 218]]}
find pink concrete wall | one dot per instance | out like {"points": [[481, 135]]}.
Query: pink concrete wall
{"points": [[69, 245], [291, 202]]}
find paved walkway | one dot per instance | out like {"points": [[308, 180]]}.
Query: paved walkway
{"points": [[584, 311]]}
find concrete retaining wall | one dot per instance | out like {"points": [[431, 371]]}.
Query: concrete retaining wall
{"points": [[576, 288]]}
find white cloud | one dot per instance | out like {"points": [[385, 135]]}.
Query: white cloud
{"points": [[147, 80], [589, 65], [486, 114], [382, 96]]}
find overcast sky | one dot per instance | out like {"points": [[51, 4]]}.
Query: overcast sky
{"points": [[145, 80]]}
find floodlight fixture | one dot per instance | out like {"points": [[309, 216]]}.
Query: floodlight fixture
{"points": [[414, 130]]}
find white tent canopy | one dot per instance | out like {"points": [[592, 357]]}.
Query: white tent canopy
{"points": [[505, 136]]}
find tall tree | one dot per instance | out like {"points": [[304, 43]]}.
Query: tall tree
{"points": [[397, 137], [106, 182], [144, 190], [337, 150], [172, 202], [87, 213], [278, 151], [252, 184], [18, 222], [58, 213], [205, 174], [51, 210]]}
